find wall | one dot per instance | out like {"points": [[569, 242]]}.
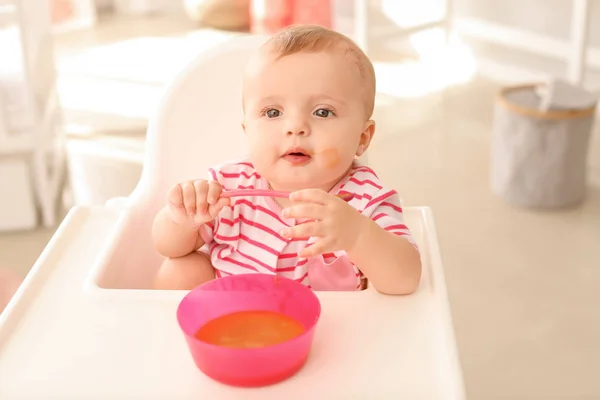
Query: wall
{"points": [[513, 40], [140, 7], [542, 29], [545, 17]]}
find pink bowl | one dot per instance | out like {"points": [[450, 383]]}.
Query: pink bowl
{"points": [[249, 292]]}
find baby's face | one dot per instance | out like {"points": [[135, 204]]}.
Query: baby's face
{"points": [[305, 118]]}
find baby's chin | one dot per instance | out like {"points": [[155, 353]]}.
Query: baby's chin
{"points": [[291, 185], [314, 175]]}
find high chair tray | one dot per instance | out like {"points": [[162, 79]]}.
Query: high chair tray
{"points": [[62, 339]]}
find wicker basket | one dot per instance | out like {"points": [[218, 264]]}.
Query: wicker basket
{"points": [[231, 15], [539, 157]]}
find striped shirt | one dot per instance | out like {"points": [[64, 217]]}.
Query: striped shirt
{"points": [[245, 237]]}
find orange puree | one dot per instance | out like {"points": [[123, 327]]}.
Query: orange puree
{"points": [[250, 329]]}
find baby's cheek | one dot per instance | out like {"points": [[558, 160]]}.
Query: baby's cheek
{"points": [[330, 158], [257, 146]]}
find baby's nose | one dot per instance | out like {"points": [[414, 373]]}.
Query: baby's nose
{"points": [[298, 127], [297, 132]]}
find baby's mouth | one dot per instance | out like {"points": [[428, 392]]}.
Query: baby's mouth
{"points": [[297, 156]]}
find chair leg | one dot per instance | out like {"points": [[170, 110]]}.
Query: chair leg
{"points": [[42, 188], [361, 24], [448, 20], [48, 177]]}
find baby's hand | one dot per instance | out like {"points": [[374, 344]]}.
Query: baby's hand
{"points": [[335, 223], [195, 203]]}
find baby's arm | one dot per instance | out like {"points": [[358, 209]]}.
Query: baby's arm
{"points": [[190, 205], [172, 239], [379, 246], [182, 227], [389, 261], [384, 251]]}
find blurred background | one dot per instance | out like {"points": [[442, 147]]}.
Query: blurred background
{"points": [[79, 80]]}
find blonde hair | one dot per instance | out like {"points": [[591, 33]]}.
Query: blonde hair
{"points": [[314, 38]]}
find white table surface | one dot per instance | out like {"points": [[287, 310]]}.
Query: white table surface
{"points": [[59, 339]]}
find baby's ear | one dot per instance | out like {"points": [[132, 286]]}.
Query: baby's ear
{"points": [[370, 129], [365, 137]]}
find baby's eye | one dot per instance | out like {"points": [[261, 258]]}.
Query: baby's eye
{"points": [[323, 113], [272, 113]]}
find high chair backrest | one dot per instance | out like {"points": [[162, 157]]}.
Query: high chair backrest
{"points": [[198, 123]]}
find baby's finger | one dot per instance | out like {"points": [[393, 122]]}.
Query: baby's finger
{"points": [[304, 230], [311, 196], [175, 196], [319, 247], [189, 197], [201, 191], [214, 191], [305, 211], [215, 209]]}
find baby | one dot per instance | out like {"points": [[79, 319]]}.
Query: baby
{"points": [[308, 98]]}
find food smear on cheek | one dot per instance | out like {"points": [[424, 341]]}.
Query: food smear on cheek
{"points": [[330, 158]]}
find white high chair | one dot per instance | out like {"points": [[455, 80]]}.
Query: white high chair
{"points": [[84, 325]]}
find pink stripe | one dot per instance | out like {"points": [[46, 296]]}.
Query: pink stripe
{"points": [[254, 225], [303, 277], [379, 216], [391, 205], [399, 226], [247, 240], [258, 208], [381, 198], [229, 175], [293, 267], [213, 247], [287, 255], [228, 238], [365, 182], [262, 264], [241, 264], [287, 269], [229, 221], [362, 196], [213, 173], [222, 249]]}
